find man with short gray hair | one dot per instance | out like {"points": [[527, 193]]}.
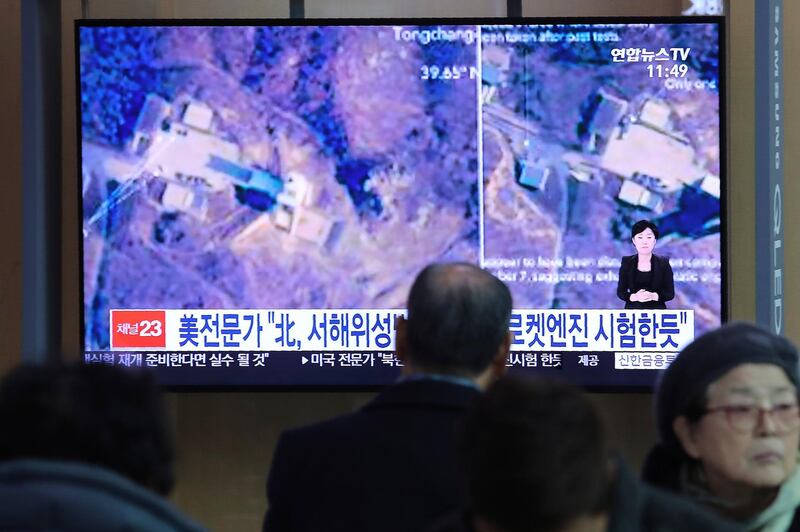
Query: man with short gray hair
{"points": [[391, 465]]}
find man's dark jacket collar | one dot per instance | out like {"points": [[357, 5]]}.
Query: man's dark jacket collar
{"points": [[426, 393]]}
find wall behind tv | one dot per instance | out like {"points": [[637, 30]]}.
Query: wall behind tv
{"points": [[10, 187]]}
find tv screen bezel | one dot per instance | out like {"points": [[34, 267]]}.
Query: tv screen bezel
{"points": [[720, 21]]}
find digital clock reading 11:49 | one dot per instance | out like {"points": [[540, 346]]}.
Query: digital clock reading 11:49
{"points": [[666, 71]]}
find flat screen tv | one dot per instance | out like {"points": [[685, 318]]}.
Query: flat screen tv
{"points": [[258, 195]]}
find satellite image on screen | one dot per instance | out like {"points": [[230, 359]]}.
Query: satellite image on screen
{"points": [[587, 129], [272, 167]]}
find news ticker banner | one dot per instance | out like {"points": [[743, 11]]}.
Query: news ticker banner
{"points": [[364, 360], [354, 338]]}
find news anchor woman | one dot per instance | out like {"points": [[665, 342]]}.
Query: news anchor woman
{"points": [[645, 279]]}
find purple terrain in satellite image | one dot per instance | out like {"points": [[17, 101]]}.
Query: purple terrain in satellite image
{"points": [[272, 167]]}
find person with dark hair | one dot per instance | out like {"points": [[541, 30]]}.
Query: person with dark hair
{"points": [[85, 447], [390, 466], [536, 460], [729, 427], [645, 279]]}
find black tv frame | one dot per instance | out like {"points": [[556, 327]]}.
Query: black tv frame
{"points": [[475, 21]]}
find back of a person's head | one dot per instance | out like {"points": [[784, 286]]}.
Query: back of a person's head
{"points": [[458, 317], [93, 414], [535, 456]]}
